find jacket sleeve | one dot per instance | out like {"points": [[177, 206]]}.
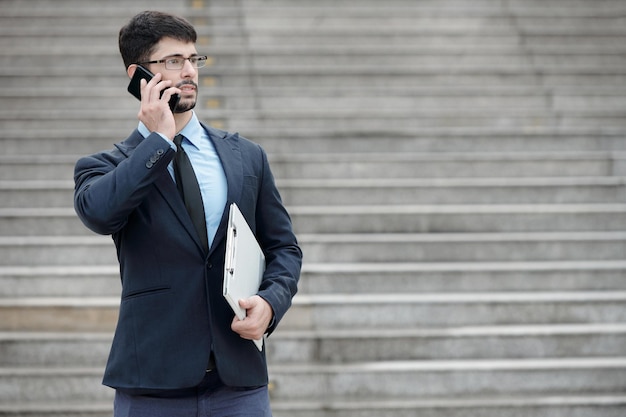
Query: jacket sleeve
{"points": [[282, 254], [110, 185]]}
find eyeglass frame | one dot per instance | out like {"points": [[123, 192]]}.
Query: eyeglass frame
{"points": [[199, 59]]}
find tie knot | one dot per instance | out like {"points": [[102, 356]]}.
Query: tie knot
{"points": [[178, 139]]}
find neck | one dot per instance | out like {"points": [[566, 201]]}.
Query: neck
{"points": [[181, 119]]}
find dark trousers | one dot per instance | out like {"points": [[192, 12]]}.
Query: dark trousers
{"points": [[210, 399]]}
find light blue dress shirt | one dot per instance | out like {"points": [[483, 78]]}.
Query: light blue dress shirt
{"points": [[208, 168]]}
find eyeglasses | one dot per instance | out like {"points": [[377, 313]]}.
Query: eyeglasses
{"points": [[177, 62]]}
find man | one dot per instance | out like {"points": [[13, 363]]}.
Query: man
{"points": [[178, 349]]}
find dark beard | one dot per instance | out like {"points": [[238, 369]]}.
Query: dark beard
{"points": [[182, 107]]}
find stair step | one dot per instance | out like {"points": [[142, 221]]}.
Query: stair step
{"points": [[581, 104], [406, 380], [414, 379], [482, 342], [442, 165], [328, 56], [40, 349], [449, 219], [495, 406], [374, 219], [597, 405], [60, 314], [36, 349], [379, 191], [375, 278], [352, 248], [474, 247], [40, 141], [357, 278], [344, 311], [373, 165], [60, 281]]}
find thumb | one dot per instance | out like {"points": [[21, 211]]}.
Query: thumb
{"points": [[245, 303]]}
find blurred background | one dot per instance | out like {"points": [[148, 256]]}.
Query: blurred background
{"points": [[455, 170]]}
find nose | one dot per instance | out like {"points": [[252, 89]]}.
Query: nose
{"points": [[188, 70]]}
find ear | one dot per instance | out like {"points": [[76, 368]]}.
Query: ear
{"points": [[131, 70]]}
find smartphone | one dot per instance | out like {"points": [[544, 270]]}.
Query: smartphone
{"points": [[134, 86]]}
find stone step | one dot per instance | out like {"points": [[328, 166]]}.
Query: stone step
{"points": [[430, 378], [334, 56], [61, 281], [401, 116], [482, 342], [349, 311], [442, 77], [297, 103], [354, 248], [481, 7], [357, 278], [105, 50], [444, 165], [79, 8], [465, 247], [374, 219], [340, 91], [374, 191], [40, 349], [446, 219], [303, 27], [549, 190], [497, 406], [37, 167], [301, 99], [297, 21], [342, 120], [54, 141], [408, 121], [407, 380], [539, 101], [374, 165], [373, 278], [515, 74], [600, 106], [558, 8], [437, 310], [596, 405]]}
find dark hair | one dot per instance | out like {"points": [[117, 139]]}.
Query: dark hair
{"points": [[138, 38]]}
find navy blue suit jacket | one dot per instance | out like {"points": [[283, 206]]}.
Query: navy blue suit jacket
{"points": [[172, 312]]}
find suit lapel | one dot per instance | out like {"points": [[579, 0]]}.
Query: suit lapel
{"points": [[166, 187], [227, 148]]}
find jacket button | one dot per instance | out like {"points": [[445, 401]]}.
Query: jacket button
{"points": [[149, 164]]}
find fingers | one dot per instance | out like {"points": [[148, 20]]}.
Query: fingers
{"points": [[156, 90], [258, 316], [155, 111]]}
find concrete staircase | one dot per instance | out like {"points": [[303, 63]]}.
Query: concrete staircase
{"points": [[455, 171]]}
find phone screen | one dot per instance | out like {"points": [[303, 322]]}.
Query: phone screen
{"points": [[135, 90]]}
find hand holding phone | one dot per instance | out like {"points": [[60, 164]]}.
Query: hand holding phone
{"points": [[134, 87]]}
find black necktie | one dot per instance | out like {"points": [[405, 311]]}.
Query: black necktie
{"points": [[188, 187]]}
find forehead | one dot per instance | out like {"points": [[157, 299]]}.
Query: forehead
{"points": [[169, 46]]}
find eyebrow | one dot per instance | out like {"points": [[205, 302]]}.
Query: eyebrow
{"points": [[180, 55]]}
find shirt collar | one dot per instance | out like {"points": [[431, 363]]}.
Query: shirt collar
{"points": [[192, 131]]}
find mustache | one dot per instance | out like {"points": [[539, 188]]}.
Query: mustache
{"points": [[187, 82]]}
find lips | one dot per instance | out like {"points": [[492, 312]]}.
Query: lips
{"points": [[187, 87]]}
